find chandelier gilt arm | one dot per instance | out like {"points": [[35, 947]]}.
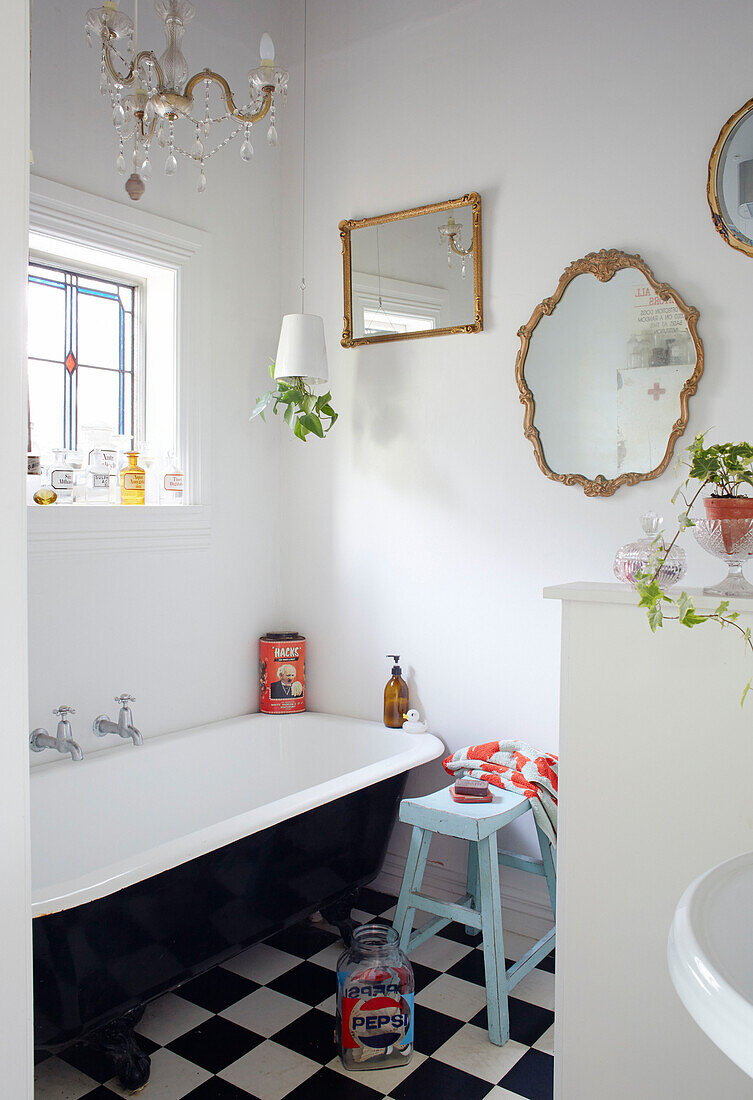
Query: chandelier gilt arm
{"points": [[130, 76], [239, 113]]}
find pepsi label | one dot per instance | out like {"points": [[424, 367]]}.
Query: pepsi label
{"points": [[376, 1016]]}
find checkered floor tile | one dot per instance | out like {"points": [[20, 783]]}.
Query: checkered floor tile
{"points": [[261, 1026]]}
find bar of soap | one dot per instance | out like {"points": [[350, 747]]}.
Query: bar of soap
{"points": [[471, 787]]}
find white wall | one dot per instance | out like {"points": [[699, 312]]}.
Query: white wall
{"points": [[177, 630], [15, 1004], [422, 524]]}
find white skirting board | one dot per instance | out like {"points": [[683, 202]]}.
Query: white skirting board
{"points": [[525, 905]]}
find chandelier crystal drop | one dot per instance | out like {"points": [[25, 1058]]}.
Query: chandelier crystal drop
{"points": [[149, 95]]}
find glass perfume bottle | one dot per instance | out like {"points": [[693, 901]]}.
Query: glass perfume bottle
{"points": [[62, 476], [171, 483], [97, 479], [132, 481], [45, 494]]}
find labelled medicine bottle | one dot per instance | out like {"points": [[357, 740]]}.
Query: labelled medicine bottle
{"points": [[395, 696], [375, 989], [97, 478], [132, 481], [171, 482]]}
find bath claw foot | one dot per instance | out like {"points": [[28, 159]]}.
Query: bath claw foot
{"points": [[339, 914], [117, 1040]]}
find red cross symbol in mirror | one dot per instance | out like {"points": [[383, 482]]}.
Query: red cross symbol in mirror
{"points": [[656, 391]]}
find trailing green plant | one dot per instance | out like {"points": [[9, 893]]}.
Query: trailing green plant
{"points": [[727, 467], [304, 412]]}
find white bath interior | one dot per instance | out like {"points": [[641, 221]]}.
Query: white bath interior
{"points": [[127, 813]]}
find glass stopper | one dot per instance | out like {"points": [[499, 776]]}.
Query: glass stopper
{"points": [[651, 523]]}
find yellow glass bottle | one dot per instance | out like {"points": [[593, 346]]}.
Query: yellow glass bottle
{"points": [[132, 481]]}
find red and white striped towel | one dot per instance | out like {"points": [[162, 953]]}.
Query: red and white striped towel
{"points": [[514, 766]]}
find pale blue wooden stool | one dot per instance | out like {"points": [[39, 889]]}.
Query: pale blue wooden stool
{"points": [[480, 908]]}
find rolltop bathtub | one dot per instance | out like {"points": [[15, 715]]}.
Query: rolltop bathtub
{"points": [[151, 864]]}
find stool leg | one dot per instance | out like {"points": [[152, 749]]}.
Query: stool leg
{"points": [[413, 875], [494, 946], [550, 870], [472, 882]]}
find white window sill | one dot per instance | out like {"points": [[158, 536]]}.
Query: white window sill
{"points": [[76, 528]]}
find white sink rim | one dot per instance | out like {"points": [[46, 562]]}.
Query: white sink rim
{"points": [[708, 991]]}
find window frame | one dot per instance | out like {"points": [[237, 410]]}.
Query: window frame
{"points": [[74, 216], [107, 273]]}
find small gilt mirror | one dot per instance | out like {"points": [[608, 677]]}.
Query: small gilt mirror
{"points": [[605, 370], [413, 273], [730, 184]]}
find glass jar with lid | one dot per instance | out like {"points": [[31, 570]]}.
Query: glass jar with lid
{"points": [[635, 557], [375, 991]]}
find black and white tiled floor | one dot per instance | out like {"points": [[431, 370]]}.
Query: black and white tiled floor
{"points": [[261, 1026]]}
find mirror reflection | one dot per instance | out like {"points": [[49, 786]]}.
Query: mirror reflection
{"points": [[607, 371], [412, 274], [730, 189]]}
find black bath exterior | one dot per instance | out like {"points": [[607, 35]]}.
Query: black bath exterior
{"points": [[97, 962]]}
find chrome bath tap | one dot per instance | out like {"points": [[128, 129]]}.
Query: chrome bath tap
{"points": [[124, 727], [62, 742]]}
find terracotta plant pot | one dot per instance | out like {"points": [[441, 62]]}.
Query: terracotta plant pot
{"points": [[730, 508]]}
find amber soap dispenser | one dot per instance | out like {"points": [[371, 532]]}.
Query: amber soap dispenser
{"points": [[395, 696]]}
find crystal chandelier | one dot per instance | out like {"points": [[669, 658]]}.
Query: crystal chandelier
{"points": [[150, 95]]}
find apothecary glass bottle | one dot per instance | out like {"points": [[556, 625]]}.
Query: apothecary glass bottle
{"points": [[62, 476], [132, 481], [97, 478], [375, 991]]}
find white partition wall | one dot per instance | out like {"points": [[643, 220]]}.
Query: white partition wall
{"points": [[655, 764], [15, 907]]}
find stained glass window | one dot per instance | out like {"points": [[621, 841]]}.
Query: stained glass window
{"points": [[81, 356]]}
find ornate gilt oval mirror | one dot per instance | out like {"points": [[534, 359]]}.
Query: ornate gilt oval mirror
{"points": [[413, 273], [730, 184], [605, 370]]}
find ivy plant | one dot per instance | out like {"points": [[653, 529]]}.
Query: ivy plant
{"points": [[727, 467], [304, 412]]}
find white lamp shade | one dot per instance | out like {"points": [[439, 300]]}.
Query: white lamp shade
{"points": [[301, 352]]}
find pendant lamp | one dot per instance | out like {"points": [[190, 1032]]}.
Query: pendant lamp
{"points": [[301, 352]]}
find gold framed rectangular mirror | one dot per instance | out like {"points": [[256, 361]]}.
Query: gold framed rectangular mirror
{"points": [[413, 273]]}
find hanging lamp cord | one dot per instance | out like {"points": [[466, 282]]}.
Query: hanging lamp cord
{"points": [[303, 160]]}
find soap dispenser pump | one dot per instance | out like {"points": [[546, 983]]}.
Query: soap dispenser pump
{"points": [[395, 696]]}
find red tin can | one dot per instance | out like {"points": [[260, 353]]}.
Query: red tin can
{"points": [[282, 673]]}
